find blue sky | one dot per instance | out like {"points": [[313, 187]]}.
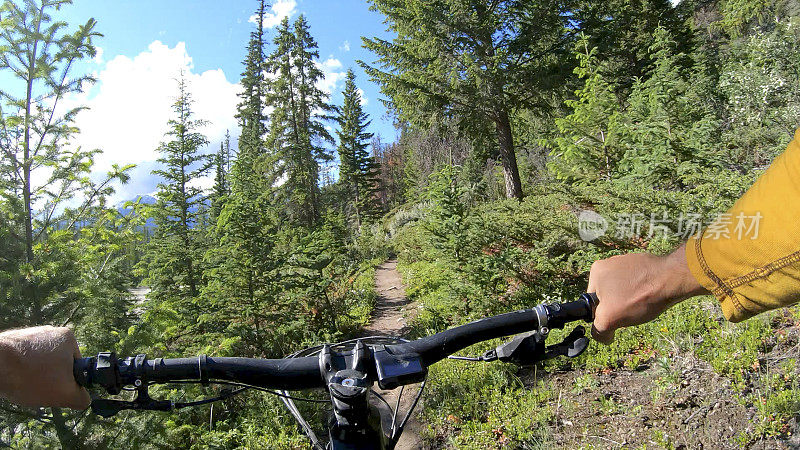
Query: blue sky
{"points": [[147, 43]]}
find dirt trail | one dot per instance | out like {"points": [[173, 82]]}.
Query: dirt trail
{"points": [[392, 311]]}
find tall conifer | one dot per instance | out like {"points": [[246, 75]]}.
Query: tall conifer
{"points": [[472, 62], [176, 251], [61, 257], [297, 128], [358, 171], [241, 272], [221, 177]]}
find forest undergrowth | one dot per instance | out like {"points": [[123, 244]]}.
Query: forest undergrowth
{"points": [[685, 380]]}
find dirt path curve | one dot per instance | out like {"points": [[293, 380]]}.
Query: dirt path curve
{"points": [[392, 310]]}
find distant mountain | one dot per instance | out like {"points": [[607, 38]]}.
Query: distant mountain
{"points": [[147, 200], [143, 200]]}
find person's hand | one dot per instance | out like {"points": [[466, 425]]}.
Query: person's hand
{"points": [[636, 288], [36, 368]]}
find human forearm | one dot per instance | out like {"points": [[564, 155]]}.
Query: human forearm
{"points": [[749, 258]]}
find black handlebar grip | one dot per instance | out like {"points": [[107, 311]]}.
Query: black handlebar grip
{"points": [[591, 299], [82, 371], [581, 309], [560, 314]]}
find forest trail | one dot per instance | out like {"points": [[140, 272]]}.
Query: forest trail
{"points": [[389, 318]]}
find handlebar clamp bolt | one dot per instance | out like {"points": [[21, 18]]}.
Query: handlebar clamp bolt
{"points": [[543, 331]]}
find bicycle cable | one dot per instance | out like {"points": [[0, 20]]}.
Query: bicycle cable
{"points": [[257, 388]]}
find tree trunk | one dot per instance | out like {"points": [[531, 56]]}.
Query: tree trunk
{"points": [[66, 437], [358, 205], [507, 155], [26, 157]]}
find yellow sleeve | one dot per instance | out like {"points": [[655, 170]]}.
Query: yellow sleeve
{"points": [[749, 258]]}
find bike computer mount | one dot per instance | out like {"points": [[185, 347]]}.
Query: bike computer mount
{"points": [[348, 378]]}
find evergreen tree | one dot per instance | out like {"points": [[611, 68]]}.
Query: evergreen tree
{"points": [[664, 133], [280, 96], [622, 31], [250, 110], [173, 262], [358, 171], [250, 174], [221, 182], [298, 132], [475, 62], [62, 257], [586, 147], [738, 18], [670, 130], [240, 297]]}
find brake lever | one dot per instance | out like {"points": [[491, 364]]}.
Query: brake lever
{"points": [[529, 348], [143, 402], [572, 346]]}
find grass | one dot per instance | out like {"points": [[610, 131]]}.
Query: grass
{"points": [[358, 292], [485, 406]]}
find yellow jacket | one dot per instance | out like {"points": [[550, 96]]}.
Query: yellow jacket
{"points": [[749, 258]]}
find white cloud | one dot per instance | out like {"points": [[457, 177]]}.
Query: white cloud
{"points": [[98, 56], [205, 183], [131, 104], [332, 63], [279, 10], [364, 99], [331, 67], [345, 47]]}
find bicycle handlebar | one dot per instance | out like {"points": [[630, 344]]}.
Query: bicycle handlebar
{"points": [[306, 372], [111, 373], [440, 345]]}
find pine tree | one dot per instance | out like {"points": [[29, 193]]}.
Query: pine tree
{"points": [[250, 172], [61, 259], [250, 110], [173, 263], [240, 297], [297, 128], [472, 62], [670, 129], [622, 31], [221, 182], [586, 147], [358, 171]]}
